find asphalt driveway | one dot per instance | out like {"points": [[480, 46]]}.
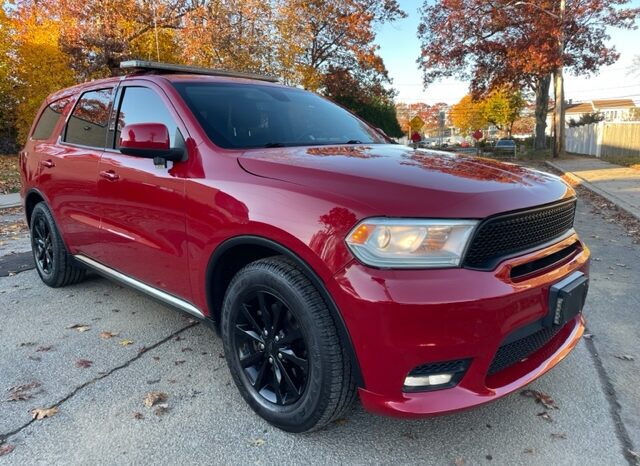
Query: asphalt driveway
{"points": [[96, 350]]}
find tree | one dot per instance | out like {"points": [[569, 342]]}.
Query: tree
{"points": [[502, 108], [7, 103], [233, 34], [98, 34], [468, 115], [587, 119], [39, 66], [517, 43], [317, 35]]}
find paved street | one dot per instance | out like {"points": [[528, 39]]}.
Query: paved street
{"points": [[206, 421]]}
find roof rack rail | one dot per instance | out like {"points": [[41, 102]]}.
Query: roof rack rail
{"points": [[144, 66]]}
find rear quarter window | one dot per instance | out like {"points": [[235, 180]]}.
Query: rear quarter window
{"points": [[87, 124], [49, 119]]}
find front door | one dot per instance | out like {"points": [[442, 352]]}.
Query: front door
{"points": [[143, 206]]}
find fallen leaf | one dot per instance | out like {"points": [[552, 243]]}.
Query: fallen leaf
{"points": [[459, 461], [186, 350], [625, 357], [410, 435], [41, 413], [79, 327], [6, 448], [178, 338], [43, 349], [153, 398], [489, 457], [258, 442], [588, 336], [220, 355], [21, 392], [545, 415], [84, 363], [529, 450], [142, 349], [27, 343], [35, 358], [179, 361], [138, 415], [559, 435], [107, 335], [540, 397], [341, 421], [161, 409], [156, 358], [126, 342]]}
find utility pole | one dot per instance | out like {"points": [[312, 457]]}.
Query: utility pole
{"points": [[558, 81], [558, 84]]}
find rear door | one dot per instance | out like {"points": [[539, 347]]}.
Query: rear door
{"points": [[68, 170], [143, 206]]}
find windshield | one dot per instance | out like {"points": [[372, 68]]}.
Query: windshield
{"points": [[243, 116]]}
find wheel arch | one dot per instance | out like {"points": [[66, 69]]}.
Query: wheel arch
{"points": [[32, 198], [234, 253]]}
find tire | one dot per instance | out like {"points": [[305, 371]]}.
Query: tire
{"points": [[273, 294], [54, 264]]}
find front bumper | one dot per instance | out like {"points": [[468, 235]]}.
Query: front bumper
{"points": [[401, 319]]}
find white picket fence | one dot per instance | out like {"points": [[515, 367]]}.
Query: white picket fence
{"points": [[604, 139]]}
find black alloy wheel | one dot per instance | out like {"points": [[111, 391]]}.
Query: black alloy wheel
{"points": [[282, 347], [43, 245], [54, 264], [271, 348]]}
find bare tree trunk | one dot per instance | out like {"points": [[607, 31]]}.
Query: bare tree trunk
{"points": [[542, 107]]}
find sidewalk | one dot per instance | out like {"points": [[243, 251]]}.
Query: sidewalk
{"points": [[620, 185], [10, 200]]}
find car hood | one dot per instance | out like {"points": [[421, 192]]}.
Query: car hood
{"points": [[395, 180]]}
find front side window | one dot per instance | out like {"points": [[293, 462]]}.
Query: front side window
{"points": [[143, 105], [242, 116], [49, 119], [87, 124]]}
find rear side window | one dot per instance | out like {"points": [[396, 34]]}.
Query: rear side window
{"points": [[87, 125], [49, 119]]}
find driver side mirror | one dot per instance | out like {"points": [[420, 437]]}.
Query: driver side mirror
{"points": [[149, 140]]}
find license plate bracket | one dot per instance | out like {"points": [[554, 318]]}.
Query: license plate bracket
{"points": [[566, 299]]}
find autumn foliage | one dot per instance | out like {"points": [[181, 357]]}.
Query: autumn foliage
{"points": [[498, 42], [49, 44]]}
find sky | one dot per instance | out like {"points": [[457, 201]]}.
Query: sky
{"points": [[400, 47]]}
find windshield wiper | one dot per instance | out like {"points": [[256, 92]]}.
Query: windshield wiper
{"points": [[274, 144], [353, 141]]}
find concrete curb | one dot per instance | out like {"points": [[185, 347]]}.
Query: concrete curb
{"points": [[10, 206], [620, 203]]}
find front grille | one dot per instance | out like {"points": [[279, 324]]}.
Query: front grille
{"points": [[516, 351], [507, 234]]}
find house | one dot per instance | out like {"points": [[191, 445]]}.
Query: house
{"points": [[613, 110]]}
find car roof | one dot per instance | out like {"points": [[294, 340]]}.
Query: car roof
{"points": [[156, 77]]}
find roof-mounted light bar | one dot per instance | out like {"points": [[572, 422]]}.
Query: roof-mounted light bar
{"points": [[169, 68]]}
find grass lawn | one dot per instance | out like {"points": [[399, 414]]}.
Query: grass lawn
{"points": [[9, 174], [628, 161]]}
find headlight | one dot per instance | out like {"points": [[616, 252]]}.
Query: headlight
{"points": [[410, 243]]}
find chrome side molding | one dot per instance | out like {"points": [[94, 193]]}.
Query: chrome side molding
{"points": [[140, 286]]}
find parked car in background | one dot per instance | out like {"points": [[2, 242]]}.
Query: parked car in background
{"points": [[332, 263], [505, 147]]}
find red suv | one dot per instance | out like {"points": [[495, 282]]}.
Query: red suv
{"points": [[332, 261]]}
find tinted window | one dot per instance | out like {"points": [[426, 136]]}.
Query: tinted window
{"points": [[88, 122], [49, 119], [143, 105], [249, 115]]}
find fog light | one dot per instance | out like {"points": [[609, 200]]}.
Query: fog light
{"points": [[427, 380]]}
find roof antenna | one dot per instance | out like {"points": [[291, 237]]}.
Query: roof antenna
{"points": [[155, 31]]}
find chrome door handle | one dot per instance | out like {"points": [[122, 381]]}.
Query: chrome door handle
{"points": [[109, 175], [47, 163]]}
